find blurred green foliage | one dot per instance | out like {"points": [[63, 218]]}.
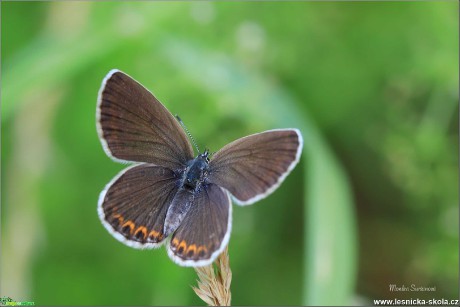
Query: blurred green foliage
{"points": [[372, 86]]}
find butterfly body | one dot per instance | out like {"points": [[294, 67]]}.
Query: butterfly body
{"points": [[194, 180], [196, 172], [167, 195]]}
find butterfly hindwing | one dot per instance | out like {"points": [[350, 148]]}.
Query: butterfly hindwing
{"points": [[252, 167], [134, 204], [205, 230], [134, 126]]}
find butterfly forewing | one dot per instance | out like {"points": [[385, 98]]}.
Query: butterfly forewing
{"points": [[252, 167], [134, 126], [134, 204], [205, 230]]}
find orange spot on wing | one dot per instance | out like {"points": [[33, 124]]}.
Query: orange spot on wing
{"points": [[155, 235], [119, 218], [202, 250], [175, 242], [191, 250], [182, 247], [129, 224], [141, 229]]}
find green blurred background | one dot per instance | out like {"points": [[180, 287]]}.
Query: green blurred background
{"points": [[373, 202]]}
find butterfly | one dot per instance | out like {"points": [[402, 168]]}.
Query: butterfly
{"points": [[169, 195]]}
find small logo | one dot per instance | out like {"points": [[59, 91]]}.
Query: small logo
{"points": [[8, 301]]}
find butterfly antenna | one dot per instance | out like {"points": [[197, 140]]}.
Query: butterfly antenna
{"points": [[188, 132]]}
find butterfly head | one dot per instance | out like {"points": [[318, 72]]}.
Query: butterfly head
{"points": [[205, 155]]}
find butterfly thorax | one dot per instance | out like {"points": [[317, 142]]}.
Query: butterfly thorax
{"points": [[196, 172]]}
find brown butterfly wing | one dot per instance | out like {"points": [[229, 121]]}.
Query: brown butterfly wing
{"points": [[133, 206], [252, 167], [134, 126], [205, 230]]}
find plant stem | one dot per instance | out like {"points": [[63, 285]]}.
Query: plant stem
{"points": [[214, 281]]}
